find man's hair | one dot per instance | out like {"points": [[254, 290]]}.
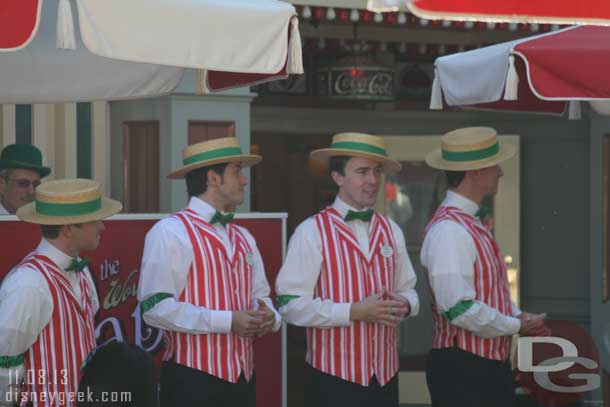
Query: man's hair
{"points": [[53, 231], [454, 178], [50, 231], [197, 180], [338, 163]]}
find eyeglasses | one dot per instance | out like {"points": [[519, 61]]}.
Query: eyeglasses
{"points": [[24, 183]]}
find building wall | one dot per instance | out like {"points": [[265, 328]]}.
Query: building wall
{"points": [[600, 312], [173, 113], [156, 109]]}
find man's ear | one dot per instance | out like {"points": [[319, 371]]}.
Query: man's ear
{"points": [[213, 179], [66, 231], [338, 178]]}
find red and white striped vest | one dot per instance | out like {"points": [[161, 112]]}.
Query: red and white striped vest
{"points": [[54, 361], [356, 352], [216, 282], [491, 286]]}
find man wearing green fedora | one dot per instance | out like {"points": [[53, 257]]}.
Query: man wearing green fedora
{"points": [[20, 172], [474, 317], [48, 300], [348, 278], [203, 281]]}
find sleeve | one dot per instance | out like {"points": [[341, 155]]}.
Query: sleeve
{"points": [[297, 279], [515, 310], [405, 278], [26, 306], [260, 285], [449, 254], [166, 262]]}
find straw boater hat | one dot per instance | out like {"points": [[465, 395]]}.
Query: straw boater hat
{"points": [[211, 152], [470, 148], [67, 202], [358, 145]]}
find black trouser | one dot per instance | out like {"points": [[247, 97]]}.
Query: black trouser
{"points": [[324, 390], [457, 378], [183, 386]]}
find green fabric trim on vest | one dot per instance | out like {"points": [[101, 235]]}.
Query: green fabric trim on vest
{"points": [[7, 362], [471, 155], [62, 209], [458, 309], [352, 145], [153, 300], [285, 299], [209, 155]]}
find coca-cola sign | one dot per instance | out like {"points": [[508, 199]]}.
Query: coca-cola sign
{"points": [[362, 83]]}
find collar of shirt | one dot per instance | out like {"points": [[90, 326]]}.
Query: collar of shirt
{"points": [[60, 258], [3, 210], [207, 211], [340, 206], [461, 202], [202, 208]]}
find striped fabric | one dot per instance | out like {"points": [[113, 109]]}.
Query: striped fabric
{"points": [[53, 362], [491, 286], [363, 349], [215, 282]]}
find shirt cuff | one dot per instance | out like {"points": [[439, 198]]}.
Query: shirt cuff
{"points": [[340, 314], [513, 325], [413, 301], [220, 321]]}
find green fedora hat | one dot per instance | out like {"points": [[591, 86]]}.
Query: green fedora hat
{"points": [[358, 145], [23, 156], [469, 148], [212, 152]]}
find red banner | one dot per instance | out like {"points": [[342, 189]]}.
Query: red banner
{"points": [[115, 269]]}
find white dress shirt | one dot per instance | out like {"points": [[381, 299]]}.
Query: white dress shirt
{"points": [[299, 274], [166, 262], [449, 253], [26, 306], [3, 210]]}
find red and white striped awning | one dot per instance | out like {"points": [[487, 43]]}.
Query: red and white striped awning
{"points": [[521, 11], [115, 49], [541, 73]]}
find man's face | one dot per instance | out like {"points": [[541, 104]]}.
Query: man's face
{"points": [[233, 183], [488, 179], [86, 236], [360, 184], [17, 188]]}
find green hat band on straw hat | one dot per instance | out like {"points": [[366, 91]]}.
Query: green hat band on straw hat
{"points": [[353, 145], [68, 209], [209, 155], [474, 155]]}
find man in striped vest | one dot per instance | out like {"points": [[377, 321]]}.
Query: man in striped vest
{"points": [[203, 281], [474, 317], [348, 278], [47, 301]]}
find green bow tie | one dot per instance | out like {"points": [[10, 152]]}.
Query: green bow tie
{"points": [[483, 212], [221, 218], [77, 265], [364, 216]]}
